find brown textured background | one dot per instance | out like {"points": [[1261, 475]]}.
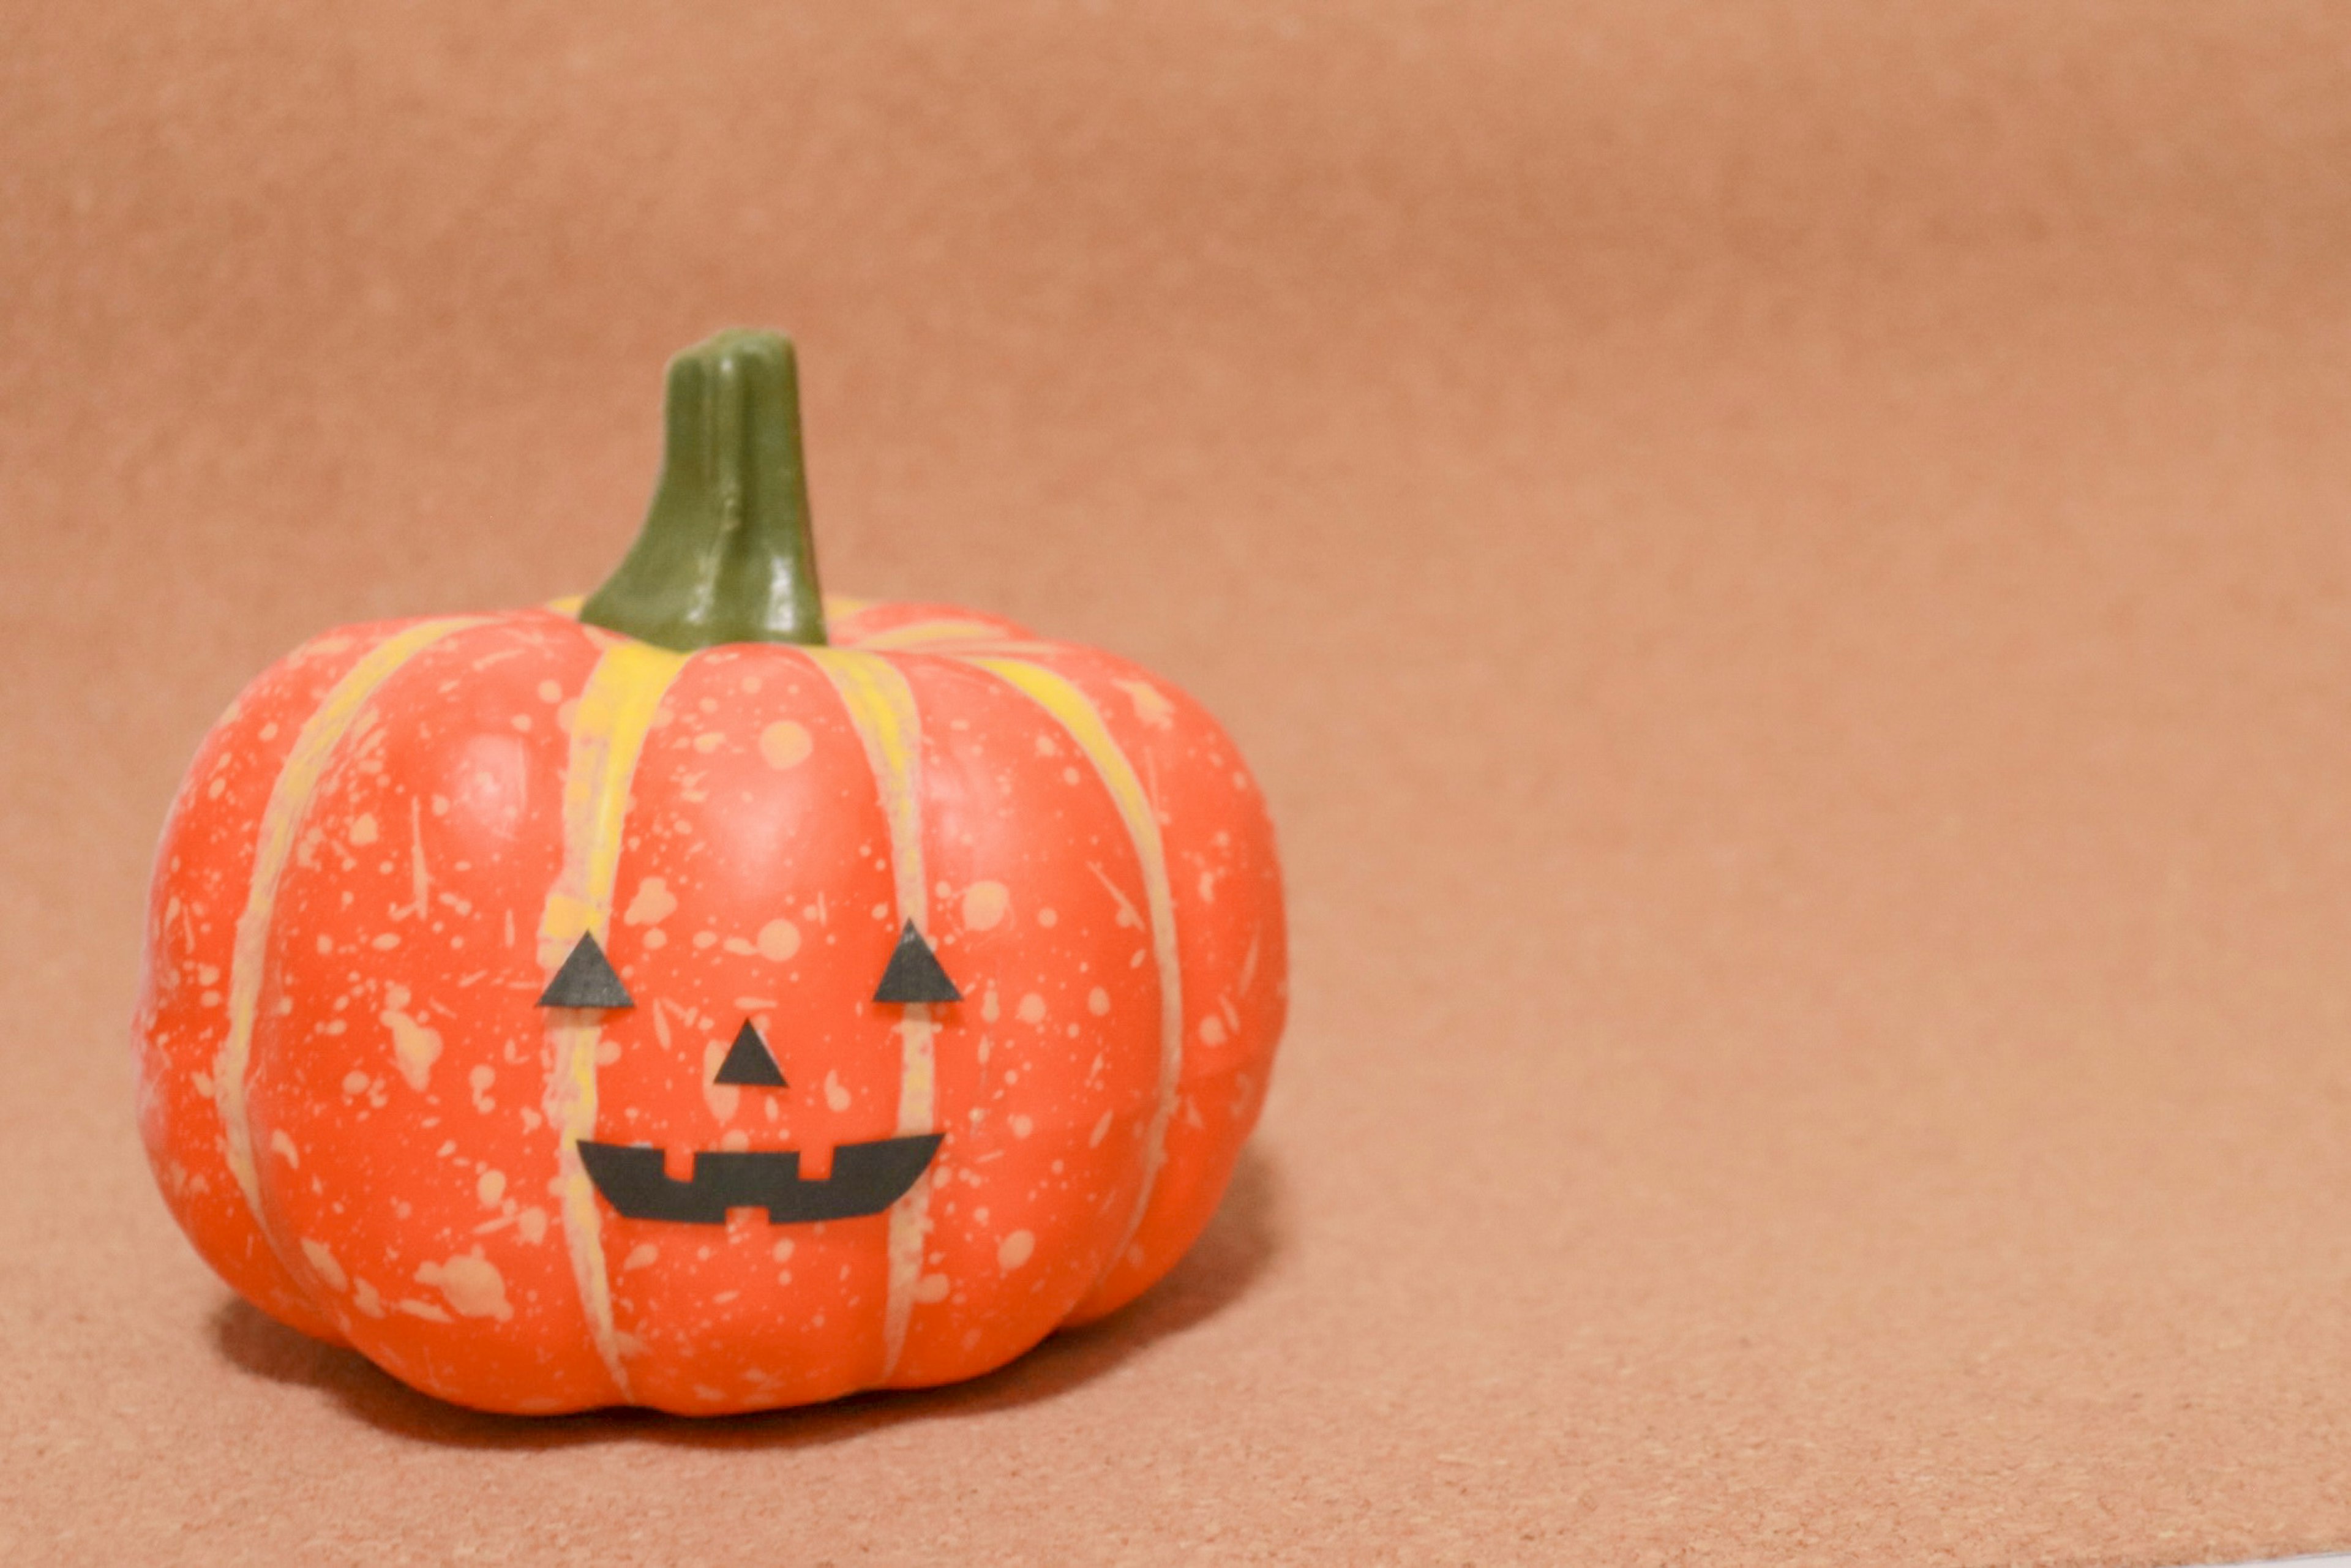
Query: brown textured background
{"points": [[1785, 569]]}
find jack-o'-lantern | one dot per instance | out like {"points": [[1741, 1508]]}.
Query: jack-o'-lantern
{"points": [[706, 996]]}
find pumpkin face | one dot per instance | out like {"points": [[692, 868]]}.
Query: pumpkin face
{"points": [[565, 1020]]}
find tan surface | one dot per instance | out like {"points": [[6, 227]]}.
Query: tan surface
{"points": [[1785, 570]]}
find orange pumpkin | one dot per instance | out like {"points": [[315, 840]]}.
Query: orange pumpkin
{"points": [[709, 997]]}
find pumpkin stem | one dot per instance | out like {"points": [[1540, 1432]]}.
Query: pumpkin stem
{"points": [[725, 554]]}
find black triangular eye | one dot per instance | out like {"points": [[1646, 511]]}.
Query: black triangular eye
{"points": [[585, 980], [749, 1062], [914, 975]]}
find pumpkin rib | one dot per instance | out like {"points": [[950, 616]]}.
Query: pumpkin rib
{"points": [[1075, 713], [404, 923], [314, 747], [1213, 827], [1052, 1169], [203, 865], [738, 835], [608, 732], [882, 709]]}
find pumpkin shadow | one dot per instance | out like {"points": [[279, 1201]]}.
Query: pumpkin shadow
{"points": [[1249, 1231]]}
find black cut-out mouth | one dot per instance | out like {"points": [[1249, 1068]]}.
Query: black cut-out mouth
{"points": [[866, 1179]]}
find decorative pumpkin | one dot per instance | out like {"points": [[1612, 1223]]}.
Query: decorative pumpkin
{"points": [[705, 997]]}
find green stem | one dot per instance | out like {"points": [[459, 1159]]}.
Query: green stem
{"points": [[725, 555]]}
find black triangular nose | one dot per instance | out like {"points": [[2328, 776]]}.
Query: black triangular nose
{"points": [[585, 980], [914, 975], [749, 1062]]}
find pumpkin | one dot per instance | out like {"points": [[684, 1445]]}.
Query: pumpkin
{"points": [[707, 996]]}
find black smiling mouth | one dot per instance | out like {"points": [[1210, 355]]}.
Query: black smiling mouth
{"points": [[866, 1179]]}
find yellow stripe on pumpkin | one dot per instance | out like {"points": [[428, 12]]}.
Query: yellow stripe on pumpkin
{"points": [[881, 707], [608, 734], [281, 818], [1077, 715], [914, 634]]}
